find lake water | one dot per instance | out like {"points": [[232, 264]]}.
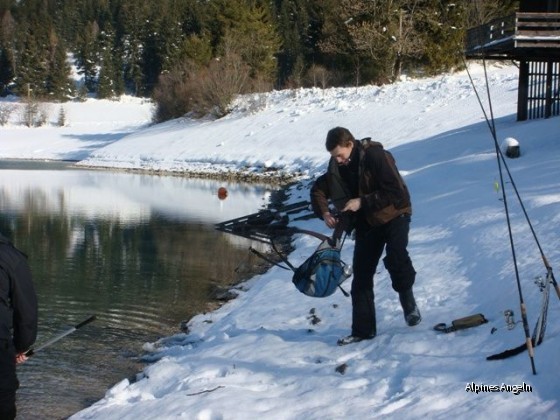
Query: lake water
{"points": [[138, 251]]}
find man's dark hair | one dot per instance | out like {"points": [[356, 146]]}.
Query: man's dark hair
{"points": [[338, 136]]}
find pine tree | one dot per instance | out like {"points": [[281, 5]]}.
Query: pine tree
{"points": [[31, 72], [247, 29], [442, 25], [58, 84], [108, 85], [289, 17], [196, 49], [130, 21], [336, 43], [6, 73], [87, 55], [41, 70], [7, 48]]}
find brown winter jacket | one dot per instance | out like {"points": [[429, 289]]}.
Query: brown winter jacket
{"points": [[382, 190]]}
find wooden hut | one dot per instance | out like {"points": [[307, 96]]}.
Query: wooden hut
{"points": [[532, 37]]}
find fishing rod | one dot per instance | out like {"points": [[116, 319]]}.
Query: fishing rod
{"points": [[60, 336], [499, 157]]}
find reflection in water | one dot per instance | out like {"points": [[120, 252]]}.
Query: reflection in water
{"points": [[138, 251]]}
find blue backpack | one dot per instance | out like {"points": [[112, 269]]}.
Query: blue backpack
{"points": [[322, 273]]}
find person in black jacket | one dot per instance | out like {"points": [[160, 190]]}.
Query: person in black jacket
{"points": [[18, 321], [364, 185]]}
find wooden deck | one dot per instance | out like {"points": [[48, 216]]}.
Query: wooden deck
{"points": [[518, 36]]}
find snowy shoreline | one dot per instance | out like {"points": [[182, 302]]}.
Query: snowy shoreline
{"points": [[226, 176], [271, 178]]}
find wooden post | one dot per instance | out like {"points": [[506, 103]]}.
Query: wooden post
{"points": [[522, 91], [548, 100]]}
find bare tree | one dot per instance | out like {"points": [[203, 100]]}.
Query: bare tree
{"points": [[6, 111], [385, 32], [224, 78], [407, 41], [318, 76], [480, 12]]}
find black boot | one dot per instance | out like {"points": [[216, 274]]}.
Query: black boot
{"points": [[350, 339], [411, 312]]}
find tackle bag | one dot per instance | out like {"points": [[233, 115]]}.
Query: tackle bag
{"points": [[462, 323], [322, 273]]}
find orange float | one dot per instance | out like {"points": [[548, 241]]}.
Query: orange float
{"points": [[222, 193]]}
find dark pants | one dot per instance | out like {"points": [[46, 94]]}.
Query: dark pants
{"points": [[393, 238], [8, 380], [7, 405]]}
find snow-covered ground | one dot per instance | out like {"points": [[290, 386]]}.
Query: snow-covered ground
{"points": [[271, 352]]}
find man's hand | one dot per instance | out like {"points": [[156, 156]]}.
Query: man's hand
{"points": [[353, 205], [20, 358], [330, 220]]}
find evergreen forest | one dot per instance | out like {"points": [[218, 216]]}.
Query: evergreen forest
{"points": [[193, 56]]}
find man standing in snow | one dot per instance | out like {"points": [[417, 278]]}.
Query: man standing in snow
{"points": [[363, 183], [18, 321]]}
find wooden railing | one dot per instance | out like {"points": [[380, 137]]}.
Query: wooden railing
{"points": [[540, 30], [520, 30]]}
